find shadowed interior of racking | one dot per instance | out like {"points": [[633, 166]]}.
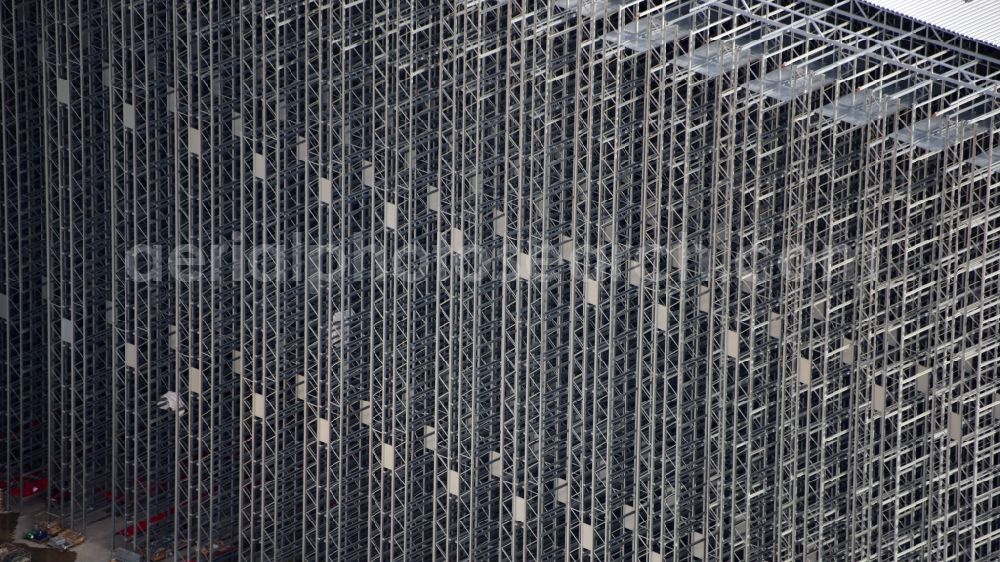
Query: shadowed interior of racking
{"points": [[650, 280]]}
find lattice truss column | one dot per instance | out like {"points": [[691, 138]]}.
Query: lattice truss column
{"points": [[642, 141], [334, 385], [537, 194], [207, 127], [740, 291], [22, 305], [926, 333], [320, 320], [336, 150], [464, 432], [403, 257], [610, 133], [715, 353], [76, 194], [823, 320], [664, 246], [142, 144], [272, 93]]}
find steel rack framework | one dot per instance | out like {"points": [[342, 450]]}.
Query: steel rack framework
{"points": [[337, 212], [145, 171], [205, 115], [22, 307], [405, 246], [503, 279], [78, 234]]}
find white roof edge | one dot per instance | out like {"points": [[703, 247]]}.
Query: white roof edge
{"points": [[973, 19]]}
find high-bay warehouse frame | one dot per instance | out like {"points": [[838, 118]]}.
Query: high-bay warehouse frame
{"points": [[502, 279]]}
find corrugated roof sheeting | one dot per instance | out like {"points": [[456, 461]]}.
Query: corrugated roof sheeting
{"points": [[974, 19]]}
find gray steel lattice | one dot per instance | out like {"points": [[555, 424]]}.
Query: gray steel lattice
{"points": [[502, 279]]}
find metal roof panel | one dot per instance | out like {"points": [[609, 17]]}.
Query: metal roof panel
{"points": [[973, 19]]}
